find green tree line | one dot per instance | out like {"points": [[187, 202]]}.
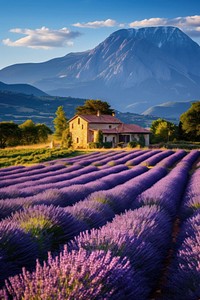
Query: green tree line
{"points": [[188, 128], [12, 134]]}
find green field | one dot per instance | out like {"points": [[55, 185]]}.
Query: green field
{"points": [[14, 157]]}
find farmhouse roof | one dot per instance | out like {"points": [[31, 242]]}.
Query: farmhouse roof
{"points": [[125, 128], [131, 128], [101, 119]]}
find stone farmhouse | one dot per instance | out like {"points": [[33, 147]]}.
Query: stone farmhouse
{"points": [[84, 129]]}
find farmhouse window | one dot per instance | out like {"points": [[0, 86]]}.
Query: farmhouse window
{"points": [[77, 140], [79, 121]]}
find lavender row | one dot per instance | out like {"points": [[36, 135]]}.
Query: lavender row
{"points": [[71, 160], [168, 192], [191, 200], [88, 158], [168, 162], [152, 161], [35, 174], [73, 193], [128, 156], [183, 277], [141, 158], [105, 158], [46, 171], [79, 176], [4, 171], [60, 174], [20, 170]]}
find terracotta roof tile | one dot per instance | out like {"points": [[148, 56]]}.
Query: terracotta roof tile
{"points": [[125, 128], [104, 119], [131, 128]]}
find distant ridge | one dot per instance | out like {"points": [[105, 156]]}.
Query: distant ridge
{"points": [[132, 69], [22, 88], [169, 109]]}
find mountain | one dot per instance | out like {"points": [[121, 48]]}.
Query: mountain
{"points": [[168, 110], [132, 69], [21, 88]]}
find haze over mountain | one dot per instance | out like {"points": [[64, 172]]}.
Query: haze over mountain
{"points": [[168, 110], [132, 69]]}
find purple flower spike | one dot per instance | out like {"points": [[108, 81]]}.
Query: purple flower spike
{"points": [[79, 275], [49, 226], [17, 249]]}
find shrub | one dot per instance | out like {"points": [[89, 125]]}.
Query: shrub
{"points": [[132, 144]]}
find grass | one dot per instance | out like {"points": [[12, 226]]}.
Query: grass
{"points": [[29, 156]]}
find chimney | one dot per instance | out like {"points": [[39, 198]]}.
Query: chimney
{"points": [[113, 114], [98, 113]]}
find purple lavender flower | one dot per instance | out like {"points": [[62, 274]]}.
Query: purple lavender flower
{"points": [[79, 275], [144, 258], [145, 222], [153, 160], [172, 159], [7, 207], [167, 192], [17, 249], [183, 280], [49, 226], [191, 200], [141, 158]]}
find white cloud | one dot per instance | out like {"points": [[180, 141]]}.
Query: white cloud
{"points": [[189, 24], [42, 38], [148, 22], [97, 24]]}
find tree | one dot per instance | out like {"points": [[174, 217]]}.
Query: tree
{"points": [[60, 122], [163, 131], [91, 107], [190, 122], [9, 134], [99, 137], [42, 133], [29, 133], [66, 138]]}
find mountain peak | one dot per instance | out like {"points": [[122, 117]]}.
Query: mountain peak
{"points": [[159, 35]]}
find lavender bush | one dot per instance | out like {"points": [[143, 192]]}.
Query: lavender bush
{"points": [[78, 275], [49, 226], [17, 249], [183, 278]]}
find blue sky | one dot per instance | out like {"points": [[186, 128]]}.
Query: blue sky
{"points": [[39, 30]]}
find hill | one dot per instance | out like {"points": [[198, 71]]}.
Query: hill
{"points": [[19, 107], [21, 88], [168, 110]]}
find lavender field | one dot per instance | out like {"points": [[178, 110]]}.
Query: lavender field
{"points": [[105, 225]]}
